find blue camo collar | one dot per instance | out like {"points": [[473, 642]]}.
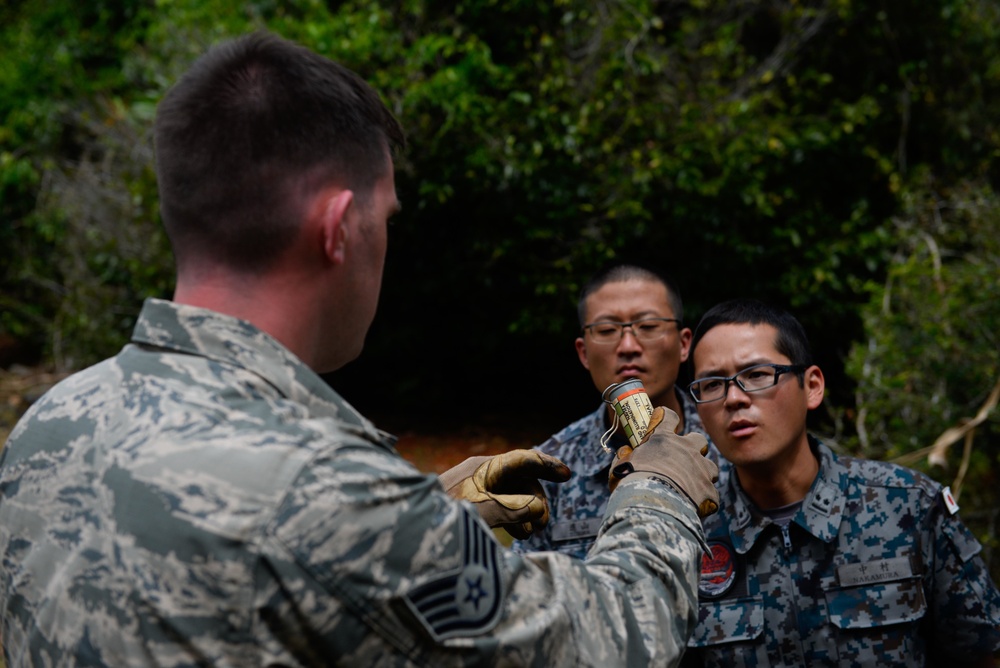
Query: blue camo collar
{"points": [[820, 514], [823, 507]]}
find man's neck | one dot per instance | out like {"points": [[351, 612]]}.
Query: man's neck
{"points": [[779, 483], [274, 305]]}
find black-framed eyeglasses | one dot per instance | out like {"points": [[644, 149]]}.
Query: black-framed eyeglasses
{"points": [[644, 329], [752, 379]]}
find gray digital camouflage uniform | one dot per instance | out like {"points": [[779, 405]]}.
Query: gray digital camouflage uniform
{"points": [[203, 498], [577, 506], [873, 570]]}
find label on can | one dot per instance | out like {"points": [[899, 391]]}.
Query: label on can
{"points": [[632, 407]]}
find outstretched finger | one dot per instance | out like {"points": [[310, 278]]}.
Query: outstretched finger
{"points": [[524, 464]]}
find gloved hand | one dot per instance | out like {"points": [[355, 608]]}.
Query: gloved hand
{"points": [[505, 488], [679, 459]]}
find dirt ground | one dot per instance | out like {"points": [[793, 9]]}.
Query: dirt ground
{"points": [[430, 450], [19, 387]]}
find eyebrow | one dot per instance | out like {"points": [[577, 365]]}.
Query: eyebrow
{"points": [[641, 315], [718, 373]]}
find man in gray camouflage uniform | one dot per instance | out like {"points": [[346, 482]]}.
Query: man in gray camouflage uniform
{"points": [[204, 498], [631, 326], [819, 559]]}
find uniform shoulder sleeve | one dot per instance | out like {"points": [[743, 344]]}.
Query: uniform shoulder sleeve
{"points": [[963, 590]]}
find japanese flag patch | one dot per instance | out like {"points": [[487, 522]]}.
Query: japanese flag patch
{"points": [[949, 500], [718, 570]]}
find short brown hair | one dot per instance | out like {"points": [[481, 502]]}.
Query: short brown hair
{"points": [[254, 122]]}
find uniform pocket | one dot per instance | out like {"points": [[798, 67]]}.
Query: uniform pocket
{"points": [[735, 620], [878, 624], [877, 605], [729, 634]]}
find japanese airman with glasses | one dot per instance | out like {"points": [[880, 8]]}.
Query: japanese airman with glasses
{"points": [[816, 558], [631, 326]]}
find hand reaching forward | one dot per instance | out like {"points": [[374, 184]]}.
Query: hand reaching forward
{"points": [[505, 488]]}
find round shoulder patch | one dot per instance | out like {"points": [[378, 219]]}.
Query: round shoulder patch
{"points": [[718, 570]]}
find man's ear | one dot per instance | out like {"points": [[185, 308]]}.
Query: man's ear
{"points": [[334, 225], [815, 386], [685, 336], [581, 352]]}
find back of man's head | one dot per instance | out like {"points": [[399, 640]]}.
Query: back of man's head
{"points": [[792, 341], [248, 133], [621, 272]]}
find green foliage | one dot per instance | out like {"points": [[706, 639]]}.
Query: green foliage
{"points": [[111, 248], [838, 157], [757, 148], [57, 59], [932, 354], [78, 87], [929, 356]]}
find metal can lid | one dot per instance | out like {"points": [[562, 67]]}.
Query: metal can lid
{"points": [[615, 391]]}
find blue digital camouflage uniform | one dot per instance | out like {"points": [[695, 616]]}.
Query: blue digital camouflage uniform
{"points": [[577, 506], [203, 498], [874, 570]]}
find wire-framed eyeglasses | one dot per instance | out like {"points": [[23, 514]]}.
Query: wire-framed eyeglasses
{"points": [[752, 379], [644, 329]]}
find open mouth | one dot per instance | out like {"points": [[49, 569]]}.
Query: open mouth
{"points": [[741, 428]]}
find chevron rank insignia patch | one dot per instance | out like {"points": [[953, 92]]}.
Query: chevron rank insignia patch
{"points": [[465, 602]]}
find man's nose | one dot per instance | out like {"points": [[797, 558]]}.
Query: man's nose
{"points": [[629, 341], [735, 395]]}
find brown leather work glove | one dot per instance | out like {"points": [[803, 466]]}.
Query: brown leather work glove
{"points": [[505, 488], [679, 459]]}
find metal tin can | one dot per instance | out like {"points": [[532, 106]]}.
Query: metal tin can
{"points": [[632, 407]]}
